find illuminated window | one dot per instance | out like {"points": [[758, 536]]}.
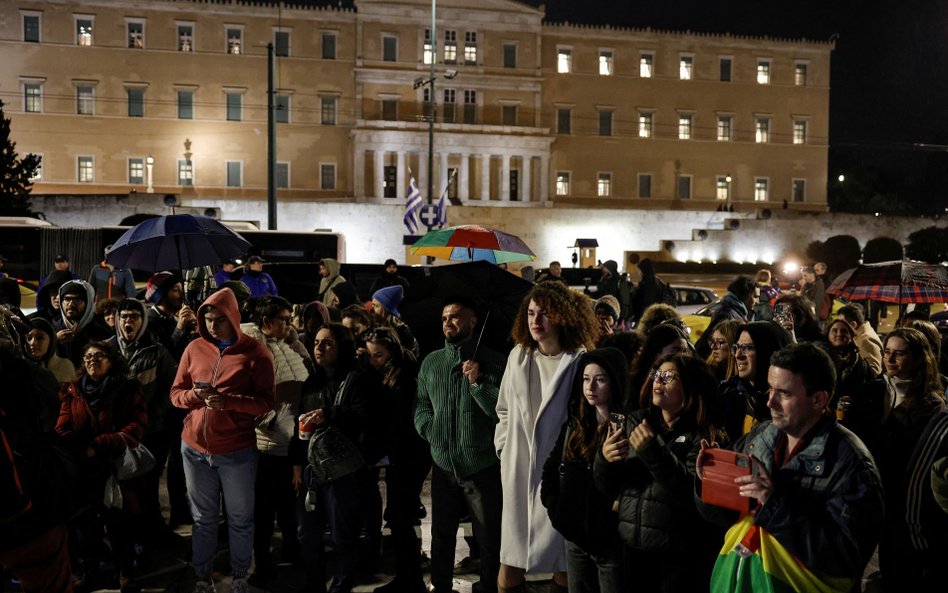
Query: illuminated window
{"points": [[564, 60], [799, 131], [605, 62], [646, 123], [686, 67], [723, 188], [685, 121], [724, 128], [86, 172], [186, 38], [450, 47], [562, 183], [645, 65], [185, 172], [761, 189], [135, 33], [762, 130], [327, 111], [604, 185], [136, 171], [33, 97], [235, 38], [470, 47], [763, 71], [799, 74], [84, 31], [85, 100], [428, 48]]}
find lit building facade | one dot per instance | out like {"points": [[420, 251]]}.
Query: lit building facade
{"points": [[171, 97]]}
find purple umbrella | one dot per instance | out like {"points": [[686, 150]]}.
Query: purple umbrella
{"points": [[898, 282]]}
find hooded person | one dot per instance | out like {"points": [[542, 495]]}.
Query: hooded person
{"points": [[329, 271], [47, 297], [649, 291], [225, 380], [75, 326], [343, 295], [385, 304], [40, 347], [315, 315], [744, 396], [152, 365], [389, 277]]}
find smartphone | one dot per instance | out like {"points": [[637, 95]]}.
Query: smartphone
{"points": [[616, 422], [782, 313], [202, 385], [721, 466]]}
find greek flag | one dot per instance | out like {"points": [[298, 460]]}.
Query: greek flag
{"points": [[443, 202], [412, 204]]}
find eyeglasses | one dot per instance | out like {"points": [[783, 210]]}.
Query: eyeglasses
{"points": [[129, 316], [93, 357], [324, 343], [663, 377], [738, 349], [717, 344], [899, 354]]}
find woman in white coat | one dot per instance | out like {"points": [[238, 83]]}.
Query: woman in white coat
{"points": [[553, 327]]}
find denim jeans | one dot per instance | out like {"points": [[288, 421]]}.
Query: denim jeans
{"points": [[207, 476], [593, 573]]}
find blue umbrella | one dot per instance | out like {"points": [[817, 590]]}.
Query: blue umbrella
{"points": [[176, 242]]}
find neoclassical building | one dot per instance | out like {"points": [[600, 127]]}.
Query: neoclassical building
{"points": [[170, 96]]}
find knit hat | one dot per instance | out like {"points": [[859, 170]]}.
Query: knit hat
{"points": [[612, 266], [611, 302], [390, 297], [241, 291], [159, 285]]}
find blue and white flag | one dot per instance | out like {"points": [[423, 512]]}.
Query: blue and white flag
{"points": [[413, 203], [443, 202]]}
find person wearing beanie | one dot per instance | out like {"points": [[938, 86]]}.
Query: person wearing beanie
{"points": [[152, 365], [329, 278], [40, 347], [75, 326], [607, 313], [385, 304], [389, 277], [260, 283]]}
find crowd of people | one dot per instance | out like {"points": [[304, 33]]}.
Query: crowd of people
{"points": [[582, 453]]}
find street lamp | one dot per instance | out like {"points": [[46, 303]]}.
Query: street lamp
{"points": [[149, 168], [430, 82]]}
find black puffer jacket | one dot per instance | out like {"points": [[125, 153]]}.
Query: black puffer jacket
{"points": [[655, 486]]}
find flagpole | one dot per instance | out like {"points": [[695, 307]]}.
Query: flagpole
{"points": [[431, 103]]}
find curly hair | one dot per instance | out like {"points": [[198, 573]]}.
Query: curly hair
{"points": [[925, 376], [655, 315], [700, 407], [569, 311]]}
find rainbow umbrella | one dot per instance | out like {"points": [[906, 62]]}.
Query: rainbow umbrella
{"points": [[473, 243]]}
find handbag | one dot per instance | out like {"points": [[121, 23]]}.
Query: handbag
{"points": [[136, 461], [332, 455]]}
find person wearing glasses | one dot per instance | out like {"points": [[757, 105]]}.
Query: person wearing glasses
{"points": [[648, 465], [666, 338], [225, 381], [75, 327], [744, 396], [721, 361], [101, 412], [738, 303], [914, 396], [278, 479]]}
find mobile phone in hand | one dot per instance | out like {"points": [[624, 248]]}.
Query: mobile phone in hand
{"points": [[616, 422]]}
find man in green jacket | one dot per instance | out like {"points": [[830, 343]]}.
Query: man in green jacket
{"points": [[455, 413]]}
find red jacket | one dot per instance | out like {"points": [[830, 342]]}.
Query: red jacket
{"points": [[243, 373], [125, 412]]}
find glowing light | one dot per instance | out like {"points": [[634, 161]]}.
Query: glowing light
{"points": [[791, 267], [841, 178]]}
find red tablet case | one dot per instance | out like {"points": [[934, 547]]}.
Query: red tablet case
{"points": [[718, 488]]}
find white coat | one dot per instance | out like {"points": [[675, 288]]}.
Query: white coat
{"points": [[527, 539]]}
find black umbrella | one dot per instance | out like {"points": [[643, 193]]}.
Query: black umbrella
{"points": [[496, 292]]}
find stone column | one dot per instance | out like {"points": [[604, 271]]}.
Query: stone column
{"points": [[464, 182], [505, 177], [485, 177], [401, 179], [358, 171], [379, 173], [526, 169], [544, 177]]}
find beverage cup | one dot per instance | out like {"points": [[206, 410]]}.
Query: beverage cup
{"points": [[306, 429]]}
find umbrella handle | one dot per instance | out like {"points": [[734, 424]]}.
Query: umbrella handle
{"points": [[480, 335]]}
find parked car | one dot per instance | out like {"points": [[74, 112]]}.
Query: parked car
{"points": [[689, 299], [699, 321]]}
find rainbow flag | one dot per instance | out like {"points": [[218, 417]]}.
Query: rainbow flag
{"points": [[753, 561]]}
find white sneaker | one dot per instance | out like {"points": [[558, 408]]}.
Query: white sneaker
{"points": [[240, 586], [205, 587]]}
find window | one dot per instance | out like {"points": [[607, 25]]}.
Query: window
{"points": [[389, 178], [185, 172], [760, 189], [725, 68], [762, 130], [799, 190], [86, 173], [85, 100], [799, 131], [136, 171], [389, 48], [722, 188], [508, 115], [450, 47], [329, 45], [604, 185], [428, 57], [724, 128], [235, 37], [282, 104], [686, 67], [684, 126], [84, 31], [645, 185], [327, 111], [33, 97], [448, 106], [605, 122], [470, 47], [136, 102], [234, 106], [645, 124], [470, 107], [763, 71], [135, 34], [605, 62], [185, 37], [31, 27], [564, 60], [799, 74], [562, 183], [327, 176], [281, 43], [510, 55], [390, 109], [234, 173], [684, 187], [185, 104], [281, 175], [646, 61], [38, 172], [563, 120]]}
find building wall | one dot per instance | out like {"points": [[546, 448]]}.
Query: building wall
{"points": [[359, 148]]}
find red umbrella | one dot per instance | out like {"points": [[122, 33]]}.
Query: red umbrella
{"points": [[899, 282]]}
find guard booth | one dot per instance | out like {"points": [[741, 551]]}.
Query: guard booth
{"points": [[587, 252]]}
